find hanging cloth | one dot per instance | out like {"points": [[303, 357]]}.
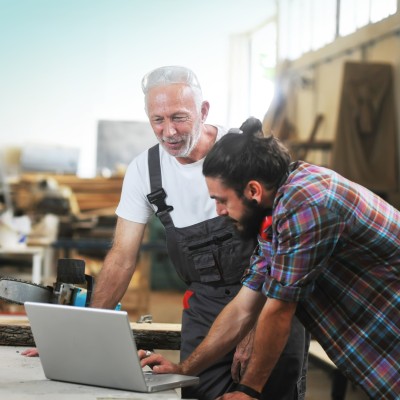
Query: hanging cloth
{"points": [[365, 149]]}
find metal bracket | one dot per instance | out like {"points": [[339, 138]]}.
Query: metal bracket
{"points": [[145, 319]]}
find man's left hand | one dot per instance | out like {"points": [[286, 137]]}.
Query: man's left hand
{"points": [[30, 353]]}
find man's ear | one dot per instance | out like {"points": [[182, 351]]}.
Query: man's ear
{"points": [[254, 191], [205, 108]]}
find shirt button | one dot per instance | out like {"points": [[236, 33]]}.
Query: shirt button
{"points": [[227, 292]]}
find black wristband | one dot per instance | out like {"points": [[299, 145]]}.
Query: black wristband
{"points": [[248, 390]]}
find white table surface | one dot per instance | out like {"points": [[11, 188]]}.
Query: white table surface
{"points": [[22, 378]]}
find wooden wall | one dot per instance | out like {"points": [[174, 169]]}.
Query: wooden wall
{"points": [[316, 78]]}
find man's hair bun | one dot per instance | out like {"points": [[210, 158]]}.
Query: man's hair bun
{"points": [[252, 127]]}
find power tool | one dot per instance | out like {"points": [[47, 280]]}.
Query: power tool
{"points": [[70, 273]]}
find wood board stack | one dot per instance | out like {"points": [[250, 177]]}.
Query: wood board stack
{"points": [[91, 193]]}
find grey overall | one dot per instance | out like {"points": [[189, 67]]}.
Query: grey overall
{"points": [[210, 258]]}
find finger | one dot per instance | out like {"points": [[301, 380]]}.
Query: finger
{"points": [[152, 360], [162, 369], [30, 353], [144, 354], [243, 367], [160, 365], [235, 369], [141, 354]]}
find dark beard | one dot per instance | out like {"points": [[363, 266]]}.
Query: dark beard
{"points": [[248, 227]]}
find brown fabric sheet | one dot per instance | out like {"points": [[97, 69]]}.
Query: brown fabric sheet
{"points": [[365, 149]]}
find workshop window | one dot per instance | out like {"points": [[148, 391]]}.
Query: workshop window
{"points": [[354, 14], [262, 68], [307, 25]]}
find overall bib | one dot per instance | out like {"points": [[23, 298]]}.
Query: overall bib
{"points": [[210, 258]]}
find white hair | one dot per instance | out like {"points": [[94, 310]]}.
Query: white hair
{"points": [[170, 75]]}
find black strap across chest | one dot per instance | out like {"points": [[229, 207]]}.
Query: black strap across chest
{"points": [[158, 195]]}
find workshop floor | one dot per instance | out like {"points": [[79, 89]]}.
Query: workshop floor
{"points": [[166, 307]]}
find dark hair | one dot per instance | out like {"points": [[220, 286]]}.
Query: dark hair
{"points": [[238, 158]]}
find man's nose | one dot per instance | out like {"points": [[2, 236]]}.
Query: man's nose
{"points": [[169, 129], [221, 209]]}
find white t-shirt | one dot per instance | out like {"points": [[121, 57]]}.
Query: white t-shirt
{"points": [[184, 185]]}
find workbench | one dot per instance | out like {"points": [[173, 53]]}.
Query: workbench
{"points": [[16, 335], [22, 378]]}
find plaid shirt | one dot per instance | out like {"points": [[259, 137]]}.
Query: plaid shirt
{"points": [[334, 247]]}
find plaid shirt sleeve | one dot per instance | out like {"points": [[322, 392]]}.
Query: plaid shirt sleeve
{"points": [[254, 275], [303, 240]]}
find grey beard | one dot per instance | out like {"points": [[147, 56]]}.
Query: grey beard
{"points": [[196, 137]]}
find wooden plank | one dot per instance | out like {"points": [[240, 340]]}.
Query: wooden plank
{"points": [[157, 336], [17, 332], [90, 193]]}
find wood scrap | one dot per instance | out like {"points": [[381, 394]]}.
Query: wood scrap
{"points": [[148, 336]]}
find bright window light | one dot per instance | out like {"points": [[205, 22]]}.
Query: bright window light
{"points": [[307, 25], [263, 61], [381, 9]]}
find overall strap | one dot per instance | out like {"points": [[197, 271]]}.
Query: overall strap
{"points": [[158, 195]]}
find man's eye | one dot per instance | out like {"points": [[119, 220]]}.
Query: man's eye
{"points": [[180, 118]]}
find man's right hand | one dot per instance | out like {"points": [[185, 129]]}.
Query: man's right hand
{"points": [[158, 363]]}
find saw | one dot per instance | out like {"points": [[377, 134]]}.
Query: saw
{"points": [[17, 291], [70, 273]]}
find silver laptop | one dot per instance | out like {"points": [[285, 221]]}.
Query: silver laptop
{"points": [[93, 347]]}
